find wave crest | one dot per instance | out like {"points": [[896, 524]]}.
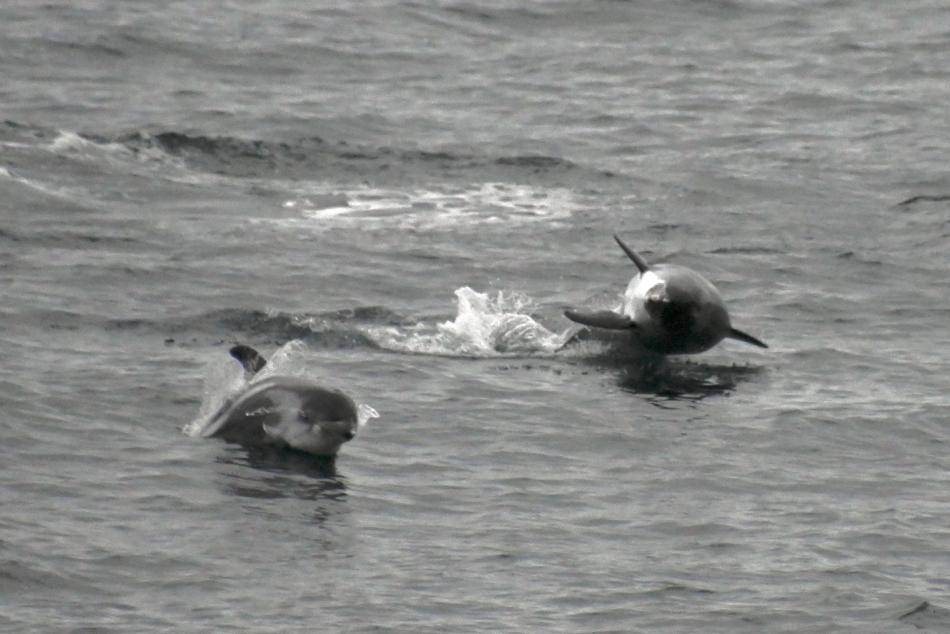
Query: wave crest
{"points": [[304, 157]]}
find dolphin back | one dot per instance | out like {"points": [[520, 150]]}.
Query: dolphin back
{"points": [[268, 403]]}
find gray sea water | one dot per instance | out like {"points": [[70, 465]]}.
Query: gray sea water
{"points": [[401, 198]]}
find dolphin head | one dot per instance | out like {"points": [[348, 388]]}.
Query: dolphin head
{"points": [[647, 297], [676, 310], [310, 418], [319, 437]]}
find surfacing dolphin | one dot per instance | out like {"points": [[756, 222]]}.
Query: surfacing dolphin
{"points": [[668, 309], [284, 411]]}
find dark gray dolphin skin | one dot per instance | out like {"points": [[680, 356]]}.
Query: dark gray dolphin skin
{"points": [[668, 309], [284, 411], [249, 358]]}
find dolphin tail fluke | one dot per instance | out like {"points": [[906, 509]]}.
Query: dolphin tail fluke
{"points": [[741, 336], [607, 319], [250, 358], [635, 257]]}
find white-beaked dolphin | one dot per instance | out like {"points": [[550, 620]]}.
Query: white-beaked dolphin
{"points": [[668, 309], [284, 411]]}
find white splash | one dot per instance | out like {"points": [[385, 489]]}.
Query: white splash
{"points": [[68, 141], [364, 414], [288, 360], [437, 208], [119, 155], [484, 326], [224, 379]]}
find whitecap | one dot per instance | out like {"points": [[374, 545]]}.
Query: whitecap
{"points": [[432, 209]]}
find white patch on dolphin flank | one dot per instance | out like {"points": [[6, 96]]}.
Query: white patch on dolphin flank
{"points": [[289, 426], [647, 284]]}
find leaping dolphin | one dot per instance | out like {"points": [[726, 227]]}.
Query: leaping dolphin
{"points": [[284, 411], [668, 309]]}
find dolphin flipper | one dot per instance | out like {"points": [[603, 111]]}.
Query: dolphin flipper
{"points": [[741, 336], [250, 358], [642, 265], [607, 319]]}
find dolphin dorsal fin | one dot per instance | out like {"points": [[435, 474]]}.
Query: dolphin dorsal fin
{"points": [[635, 257], [250, 358]]}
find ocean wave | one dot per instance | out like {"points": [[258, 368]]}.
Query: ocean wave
{"points": [[334, 330], [80, 159], [322, 184], [310, 158], [485, 325], [314, 157]]}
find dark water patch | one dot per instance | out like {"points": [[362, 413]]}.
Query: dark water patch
{"points": [[926, 616], [669, 378], [14, 131], [314, 156], [538, 163], [257, 325], [750, 250], [16, 576], [853, 256], [477, 13], [333, 331], [507, 16], [675, 380], [283, 461], [283, 473], [676, 590], [71, 240], [58, 320], [228, 155], [924, 198], [373, 314], [99, 48]]}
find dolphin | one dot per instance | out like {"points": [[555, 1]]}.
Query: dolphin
{"points": [[284, 411], [668, 309]]}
